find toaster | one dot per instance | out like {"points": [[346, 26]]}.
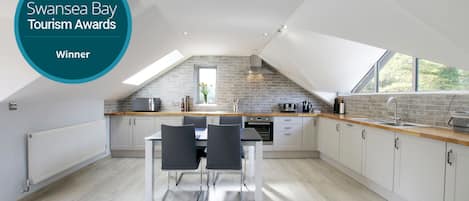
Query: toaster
{"points": [[459, 121], [287, 107]]}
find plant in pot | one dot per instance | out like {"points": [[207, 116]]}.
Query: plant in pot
{"points": [[204, 91]]}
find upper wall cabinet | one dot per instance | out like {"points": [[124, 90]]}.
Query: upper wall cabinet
{"points": [[457, 173], [328, 137], [379, 157], [419, 168], [351, 146]]}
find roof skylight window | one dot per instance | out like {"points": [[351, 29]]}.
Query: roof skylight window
{"points": [[155, 68]]}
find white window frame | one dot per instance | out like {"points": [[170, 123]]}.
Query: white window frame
{"points": [[197, 81]]}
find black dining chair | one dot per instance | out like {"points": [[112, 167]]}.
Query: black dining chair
{"points": [[223, 151], [198, 123], [179, 151], [232, 120], [228, 120]]}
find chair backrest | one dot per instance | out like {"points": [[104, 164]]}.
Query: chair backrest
{"points": [[198, 122], [224, 147], [178, 148], [227, 120]]}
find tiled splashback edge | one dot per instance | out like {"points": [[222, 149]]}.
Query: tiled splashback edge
{"points": [[258, 94], [430, 109]]}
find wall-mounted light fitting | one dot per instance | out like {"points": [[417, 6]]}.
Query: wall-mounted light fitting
{"points": [[282, 29]]}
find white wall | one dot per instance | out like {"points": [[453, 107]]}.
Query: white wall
{"points": [[436, 30], [35, 115], [319, 63]]}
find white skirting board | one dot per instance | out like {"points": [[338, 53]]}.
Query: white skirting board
{"points": [[54, 151], [386, 194]]}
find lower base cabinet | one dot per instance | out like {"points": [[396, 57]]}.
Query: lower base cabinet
{"points": [[287, 134], [457, 173], [351, 147], [328, 137], [128, 133], [379, 157], [419, 168]]}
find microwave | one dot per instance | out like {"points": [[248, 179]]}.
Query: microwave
{"points": [[146, 104]]}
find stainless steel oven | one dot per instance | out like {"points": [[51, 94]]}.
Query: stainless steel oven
{"points": [[264, 126]]}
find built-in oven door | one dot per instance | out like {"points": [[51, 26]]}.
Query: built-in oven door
{"points": [[265, 130]]}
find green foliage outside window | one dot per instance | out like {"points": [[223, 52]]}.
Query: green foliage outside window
{"points": [[438, 77], [396, 75]]}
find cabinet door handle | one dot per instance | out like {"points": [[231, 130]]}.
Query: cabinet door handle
{"points": [[287, 120], [364, 134], [349, 125], [337, 127], [396, 143], [287, 134], [288, 127], [450, 154], [130, 122], [135, 122]]}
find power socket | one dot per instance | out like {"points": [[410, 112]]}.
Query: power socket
{"points": [[12, 106]]}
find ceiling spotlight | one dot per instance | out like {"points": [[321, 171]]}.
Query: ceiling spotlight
{"points": [[282, 29], [266, 34], [185, 33]]}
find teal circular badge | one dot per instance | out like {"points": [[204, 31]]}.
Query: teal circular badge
{"points": [[73, 41]]}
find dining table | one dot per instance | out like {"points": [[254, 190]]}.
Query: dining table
{"points": [[250, 140]]}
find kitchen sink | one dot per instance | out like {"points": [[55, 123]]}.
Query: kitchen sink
{"points": [[402, 124], [388, 123], [364, 119]]}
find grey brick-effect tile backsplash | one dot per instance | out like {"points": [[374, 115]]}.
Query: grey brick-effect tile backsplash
{"points": [[430, 109], [256, 94]]}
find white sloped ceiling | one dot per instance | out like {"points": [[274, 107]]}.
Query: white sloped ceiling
{"points": [[316, 51], [152, 38], [15, 73], [319, 63]]}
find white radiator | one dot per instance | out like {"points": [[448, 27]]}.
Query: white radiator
{"points": [[54, 151]]}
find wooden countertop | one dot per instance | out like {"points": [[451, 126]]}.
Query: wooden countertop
{"points": [[277, 114], [435, 133], [441, 134]]}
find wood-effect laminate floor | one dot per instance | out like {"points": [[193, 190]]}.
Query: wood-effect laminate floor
{"points": [[120, 179]]}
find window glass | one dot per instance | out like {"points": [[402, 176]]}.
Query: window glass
{"points": [[396, 74], [438, 77], [207, 84], [370, 86]]}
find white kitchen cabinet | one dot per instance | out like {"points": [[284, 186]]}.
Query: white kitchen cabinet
{"points": [[419, 168], [328, 137], [351, 146], [379, 157], [121, 133], [128, 133], [457, 173], [309, 137], [142, 128], [287, 133]]}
